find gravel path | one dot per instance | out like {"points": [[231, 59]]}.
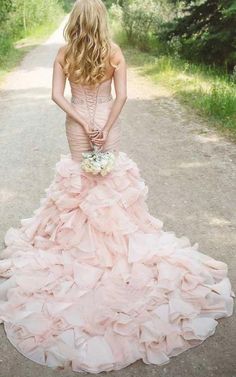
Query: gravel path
{"points": [[190, 171]]}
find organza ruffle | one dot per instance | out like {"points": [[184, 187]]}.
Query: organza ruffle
{"points": [[92, 281]]}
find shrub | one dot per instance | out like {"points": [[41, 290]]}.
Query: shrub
{"points": [[207, 31]]}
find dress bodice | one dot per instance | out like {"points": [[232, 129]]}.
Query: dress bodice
{"points": [[103, 89], [94, 105], [89, 97]]}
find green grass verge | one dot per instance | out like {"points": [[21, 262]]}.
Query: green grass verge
{"points": [[21, 47], [211, 93]]}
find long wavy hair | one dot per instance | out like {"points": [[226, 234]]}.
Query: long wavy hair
{"points": [[88, 42]]}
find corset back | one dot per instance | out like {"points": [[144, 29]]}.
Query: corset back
{"points": [[94, 105]]}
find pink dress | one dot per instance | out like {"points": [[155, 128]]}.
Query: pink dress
{"points": [[91, 281]]}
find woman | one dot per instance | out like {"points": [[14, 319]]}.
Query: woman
{"points": [[91, 281]]}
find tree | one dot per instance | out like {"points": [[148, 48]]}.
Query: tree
{"points": [[140, 20], [5, 8], [207, 31], [109, 3]]}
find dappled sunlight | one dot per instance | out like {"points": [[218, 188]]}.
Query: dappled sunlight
{"points": [[184, 165], [213, 138], [218, 221], [38, 76], [212, 96], [25, 43], [6, 195], [35, 70], [194, 164], [184, 77], [196, 82], [25, 95]]}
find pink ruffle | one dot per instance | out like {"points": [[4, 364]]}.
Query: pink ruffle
{"points": [[91, 281]]}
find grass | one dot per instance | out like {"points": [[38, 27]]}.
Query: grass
{"points": [[210, 92], [21, 47]]}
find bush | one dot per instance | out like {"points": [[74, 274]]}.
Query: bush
{"points": [[115, 12], [139, 18], [143, 20], [207, 31], [18, 18], [109, 3], [66, 4], [25, 15]]}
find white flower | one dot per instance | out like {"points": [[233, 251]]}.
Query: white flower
{"points": [[96, 161]]}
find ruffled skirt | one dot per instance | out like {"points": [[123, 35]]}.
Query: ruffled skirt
{"points": [[92, 281]]}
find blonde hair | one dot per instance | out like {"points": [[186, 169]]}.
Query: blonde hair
{"points": [[88, 42]]}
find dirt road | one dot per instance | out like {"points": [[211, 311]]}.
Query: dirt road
{"points": [[189, 169]]}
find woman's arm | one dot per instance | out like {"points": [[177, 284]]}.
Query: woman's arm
{"points": [[58, 87], [120, 81]]}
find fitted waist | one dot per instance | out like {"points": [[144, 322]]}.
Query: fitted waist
{"points": [[98, 99], [79, 142]]}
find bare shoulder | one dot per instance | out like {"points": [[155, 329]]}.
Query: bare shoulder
{"points": [[115, 49], [61, 54], [117, 55]]}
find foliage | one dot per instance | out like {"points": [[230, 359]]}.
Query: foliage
{"points": [[142, 19], [5, 7], [18, 19], [209, 90], [5, 36], [19, 16], [206, 90], [207, 31], [199, 30], [24, 23], [139, 20], [66, 4], [109, 3], [115, 13]]}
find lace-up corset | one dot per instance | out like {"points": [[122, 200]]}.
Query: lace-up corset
{"points": [[94, 106], [89, 98]]}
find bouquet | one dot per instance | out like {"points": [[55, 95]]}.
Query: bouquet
{"points": [[97, 162]]}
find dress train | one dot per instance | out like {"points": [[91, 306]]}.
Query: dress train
{"points": [[93, 282]]}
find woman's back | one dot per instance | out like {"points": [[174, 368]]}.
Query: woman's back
{"points": [[94, 105]]}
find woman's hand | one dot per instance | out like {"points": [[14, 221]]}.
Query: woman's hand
{"points": [[91, 133], [99, 137], [96, 136]]}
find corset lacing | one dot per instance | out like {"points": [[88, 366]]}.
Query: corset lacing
{"points": [[95, 116], [100, 99], [91, 98]]}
